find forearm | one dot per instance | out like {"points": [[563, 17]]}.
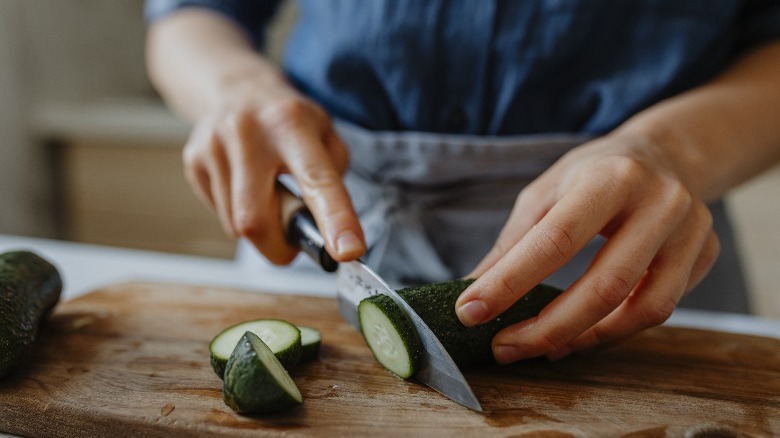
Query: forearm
{"points": [[198, 59], [721, 133]]}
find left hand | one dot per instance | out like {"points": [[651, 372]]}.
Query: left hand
{"points": [[660, 243]]}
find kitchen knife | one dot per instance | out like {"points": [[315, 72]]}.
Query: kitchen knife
{"points": [[356, 281]]}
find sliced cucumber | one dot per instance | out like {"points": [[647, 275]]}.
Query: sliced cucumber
{"points": [[256, 382], [283, 338], [311, 339], [435, 304], [390, 334]]}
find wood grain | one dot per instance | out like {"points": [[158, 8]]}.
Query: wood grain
{"points": [[132, 360]]}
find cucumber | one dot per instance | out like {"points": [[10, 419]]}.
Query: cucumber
{"points": [[255, 381], [390, 335], [283, 338], [435, 304], [311, 339], [30, 287]]}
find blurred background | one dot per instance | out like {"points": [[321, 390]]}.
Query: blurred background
{"points": [[89, 153]]}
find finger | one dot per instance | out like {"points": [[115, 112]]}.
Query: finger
{"points": [[194, 168], [531, 205], [556, 238], [219, 179], [207, 171], [337, 150], [257, 214], [323, 192], [198, 178], [681, 262], [255, 204], [705, 261]]}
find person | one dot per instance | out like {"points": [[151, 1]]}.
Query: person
{"points": [[576, 142]]}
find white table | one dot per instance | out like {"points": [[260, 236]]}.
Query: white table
{"points": [[88, 267]]}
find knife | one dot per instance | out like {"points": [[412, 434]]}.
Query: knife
{"points": [[356, 281]]}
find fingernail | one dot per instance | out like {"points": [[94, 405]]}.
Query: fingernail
{"points": [[348, 243], [505, 354], [559, 353], [472, 313]]}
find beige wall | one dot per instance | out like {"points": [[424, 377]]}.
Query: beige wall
{"points": [[23, 194], [60, 52], [56, 50], [84, 49], [755, 209]]}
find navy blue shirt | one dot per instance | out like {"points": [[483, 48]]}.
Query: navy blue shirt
{"points": [[502, 67]]}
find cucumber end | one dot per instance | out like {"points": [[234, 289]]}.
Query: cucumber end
{"points": [[390, 335]]}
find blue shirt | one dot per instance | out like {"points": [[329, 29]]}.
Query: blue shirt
{"points": [[501, 67]]}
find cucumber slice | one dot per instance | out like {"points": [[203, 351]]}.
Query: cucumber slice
{"points": [[390, 334], [283, 338], [311, 339], [255, 380], [435, 304]]}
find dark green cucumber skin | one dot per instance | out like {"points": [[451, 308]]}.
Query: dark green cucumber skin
{"points": [[30, 287], [402, 324], [248, 387], [469, 346], [218, 365], [309, 353]]}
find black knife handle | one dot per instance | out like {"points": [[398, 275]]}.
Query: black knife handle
{"points": [[302, 230]]}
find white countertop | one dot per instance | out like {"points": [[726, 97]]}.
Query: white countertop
{"points": [[87, 267]]}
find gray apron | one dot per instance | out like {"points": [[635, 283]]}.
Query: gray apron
{"points": [[432, 205]]}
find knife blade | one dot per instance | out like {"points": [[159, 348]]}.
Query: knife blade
{"points": [[355, 281]]}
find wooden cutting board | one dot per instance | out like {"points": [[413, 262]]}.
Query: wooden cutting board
{"points": [[132, 360]]}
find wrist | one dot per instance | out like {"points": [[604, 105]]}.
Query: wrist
{"points": [[257, 81], [665, 145]]}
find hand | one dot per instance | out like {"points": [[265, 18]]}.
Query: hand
{"points": [[235, 154], [659, 244]]}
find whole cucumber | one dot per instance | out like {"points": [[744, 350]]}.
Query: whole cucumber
{"points": [[30, 287], [435, 303], [395, 342]]}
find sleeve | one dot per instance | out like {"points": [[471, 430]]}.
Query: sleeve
{"points": [[250, 15], [760, 22]]}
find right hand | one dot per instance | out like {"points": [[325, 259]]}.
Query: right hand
{"points": [[235, 153]]}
